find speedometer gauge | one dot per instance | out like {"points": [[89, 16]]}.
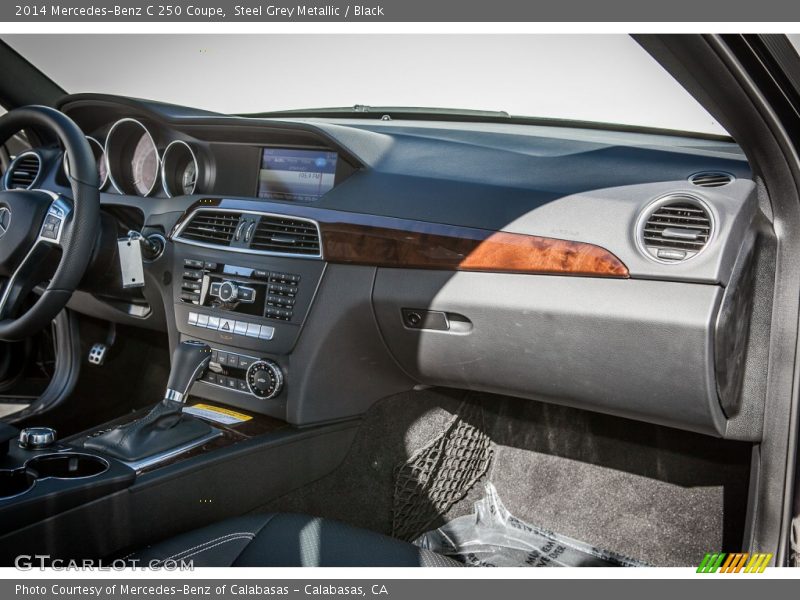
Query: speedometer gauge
{"points": [[144, 165], [133, 160]]}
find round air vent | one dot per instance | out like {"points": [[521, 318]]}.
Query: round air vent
{"points": [[711, 179], [675, 228], [23, 171]]}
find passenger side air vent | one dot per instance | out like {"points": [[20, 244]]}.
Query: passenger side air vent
{"points": [[711, 179], [676, 229], [23, 171], [211, 227], [285, 235]]}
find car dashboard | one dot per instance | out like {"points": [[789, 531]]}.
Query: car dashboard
{"points": [[333, 262]]}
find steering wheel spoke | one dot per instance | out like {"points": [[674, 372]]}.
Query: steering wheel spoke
{"points": [[27, 276]]}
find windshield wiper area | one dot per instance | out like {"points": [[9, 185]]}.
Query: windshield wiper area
{"points": [[385, 113]]}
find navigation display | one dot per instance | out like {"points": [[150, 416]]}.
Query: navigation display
{"points": [[298, 175]]}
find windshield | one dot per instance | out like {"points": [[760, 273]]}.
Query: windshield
{"points": [[600, 78]]}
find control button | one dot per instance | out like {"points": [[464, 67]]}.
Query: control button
{"points": [[260, 274], [202, 320], [253, 330], [247, 294], [241, 385], [192, 263], [210, 377], [222, 380], [226, 325], [244, 362], [232, 383], [192, 318], [240, 328], [214, 289], [190, 296], [192, 274], [222, 358], [191, 285], [213, 322], [671, 254], [211, 266], [37, 438], [266, 332], [228, 291], [214, 356], [264, 379]]}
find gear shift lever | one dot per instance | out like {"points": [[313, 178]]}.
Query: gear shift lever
{"points": [[164, 427]]}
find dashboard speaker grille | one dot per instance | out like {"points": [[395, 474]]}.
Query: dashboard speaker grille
{"points": [[711, 179], [211, 227], [284, 235], [23, 171], [676, 229]]}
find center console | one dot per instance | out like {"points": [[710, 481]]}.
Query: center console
{"points": [[244, 283]]}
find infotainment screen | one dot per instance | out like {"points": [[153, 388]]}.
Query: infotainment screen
{"points": [[299, 175]]}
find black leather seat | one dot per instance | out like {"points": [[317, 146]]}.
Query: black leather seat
{"points": [[289, 540]]}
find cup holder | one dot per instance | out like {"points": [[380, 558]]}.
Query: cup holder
{"points": [[14, 483], [67, 466]]}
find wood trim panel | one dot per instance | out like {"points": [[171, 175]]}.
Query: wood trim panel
{"points": [[430, 246]]}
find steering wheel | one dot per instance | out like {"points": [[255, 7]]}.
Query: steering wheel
{"points": [[35, 224]]}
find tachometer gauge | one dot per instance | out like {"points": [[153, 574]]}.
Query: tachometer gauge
{"points": [[133, 160], [180, 170], [100, 159]]}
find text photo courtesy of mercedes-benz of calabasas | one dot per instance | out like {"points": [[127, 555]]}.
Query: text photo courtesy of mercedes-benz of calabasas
{"points": [[550, 320]]}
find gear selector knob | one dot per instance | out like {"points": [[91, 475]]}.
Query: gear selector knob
{"points": [[189, 363]]}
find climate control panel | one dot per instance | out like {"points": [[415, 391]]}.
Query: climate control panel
{"points": [[257, 377]]}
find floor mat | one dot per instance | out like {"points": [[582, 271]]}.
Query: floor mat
{"points": [[493, 537], [440, 474]]}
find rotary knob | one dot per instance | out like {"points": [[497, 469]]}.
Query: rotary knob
{"points": [[228, 291], [37, 438], [264, 379]]}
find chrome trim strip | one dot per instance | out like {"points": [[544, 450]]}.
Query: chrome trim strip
{"points": [[11, 168], [175, 236], [138, 465], [108, 162], [164, 171]]}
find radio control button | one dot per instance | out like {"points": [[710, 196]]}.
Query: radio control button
{"points": [[247, 294], [211, 266], [260, 274], [214, 289], [192, 263], [240, 328]]}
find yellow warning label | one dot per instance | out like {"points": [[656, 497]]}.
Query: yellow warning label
{"points": [[217, 414]]}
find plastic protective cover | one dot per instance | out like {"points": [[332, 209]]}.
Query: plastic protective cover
{"points": [[493, 537]]}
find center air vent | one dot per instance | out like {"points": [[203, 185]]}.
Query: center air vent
{"points": [[23, 171], [250, 231], [212, 227], [285, 235], [711, 179], [676, 229]]}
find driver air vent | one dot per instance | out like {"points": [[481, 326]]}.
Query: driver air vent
{"points": [[212, 227], [23, 171], [677, 229], [711, 179], [284, 235]]}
